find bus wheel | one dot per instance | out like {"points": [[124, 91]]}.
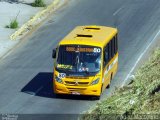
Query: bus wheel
{"points": [[96, 97], [57, 95], [108, 86], [111, 76]]}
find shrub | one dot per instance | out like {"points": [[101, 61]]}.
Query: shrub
{"points": [[38, 3], [13, 24]]}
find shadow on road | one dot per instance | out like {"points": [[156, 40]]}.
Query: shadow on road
{"points": [[42, 85]]}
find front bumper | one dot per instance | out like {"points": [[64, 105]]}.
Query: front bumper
{"points": [[94, 90]]}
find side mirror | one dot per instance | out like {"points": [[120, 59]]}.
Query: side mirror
{"points": [[54, 53]]}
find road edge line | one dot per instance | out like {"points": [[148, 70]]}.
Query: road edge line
{"points": [[140, 57]]}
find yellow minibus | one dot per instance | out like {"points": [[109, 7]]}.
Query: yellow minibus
{"points": [[86, 61]]}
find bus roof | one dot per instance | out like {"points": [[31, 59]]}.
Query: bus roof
{"points": [[89, 35]]}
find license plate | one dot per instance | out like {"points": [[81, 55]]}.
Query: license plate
{"points": [[75, 93]]}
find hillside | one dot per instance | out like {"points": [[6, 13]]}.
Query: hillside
{"points": [[139, 99]]}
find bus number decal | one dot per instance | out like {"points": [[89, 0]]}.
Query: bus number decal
{"points": [[97, 50], [61, 75]]}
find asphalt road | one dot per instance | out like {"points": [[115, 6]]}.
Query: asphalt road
{"points": [[26, 73]]}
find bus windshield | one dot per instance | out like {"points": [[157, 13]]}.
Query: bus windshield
{"points": [[79, 58]]}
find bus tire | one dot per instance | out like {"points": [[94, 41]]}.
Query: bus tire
{"points": [[96, 97], [111, 77], [57, 95], [108, 86]]}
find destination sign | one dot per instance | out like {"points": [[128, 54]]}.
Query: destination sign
{"points": [[77, 49]]}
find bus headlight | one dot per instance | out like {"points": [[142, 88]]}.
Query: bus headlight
{"points": [[58, 79], [95, 81]]}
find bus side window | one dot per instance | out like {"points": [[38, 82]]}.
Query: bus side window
{"points": [[116, 44], [112, 45], [106, 55], [115, 48], [110, 50]]}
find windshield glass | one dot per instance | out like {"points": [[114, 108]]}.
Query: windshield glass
{"points": [[79, 58]]}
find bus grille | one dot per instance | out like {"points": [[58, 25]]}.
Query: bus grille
{"points": [[76, 89], [76, 83]]}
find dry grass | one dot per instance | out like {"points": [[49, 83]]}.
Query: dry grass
{"points": [[140, 99]]}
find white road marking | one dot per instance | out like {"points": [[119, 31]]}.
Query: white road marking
{"points": [[140, 58], [117, 11]]}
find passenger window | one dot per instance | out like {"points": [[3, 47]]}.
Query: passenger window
{"points": [[106, 54], [110, 50], [113, 52], [116, 43]]}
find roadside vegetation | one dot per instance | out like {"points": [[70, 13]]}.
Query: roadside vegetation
{"points": [[13, 24], [138, 100], [38, 3]]}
